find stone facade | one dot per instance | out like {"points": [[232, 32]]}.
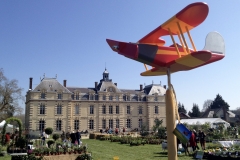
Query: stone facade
{"points": [[64, 108]]}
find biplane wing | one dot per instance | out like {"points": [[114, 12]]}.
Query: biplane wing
{"points": [[214, 50], [189, 17]]}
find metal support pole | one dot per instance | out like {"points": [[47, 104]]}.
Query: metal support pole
{"points": [[170, 120]]}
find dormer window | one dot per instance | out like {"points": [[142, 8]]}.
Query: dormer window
{"points": [[77, 96], [43, 95], [104, 97], [59, 95], [91, 97], [140, 98], [110, 97]]}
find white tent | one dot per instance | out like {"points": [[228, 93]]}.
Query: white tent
{"points": [[200, 121], [8, 125]]}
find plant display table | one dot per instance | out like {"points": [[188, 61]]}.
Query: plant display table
{"points": [[61, 157]]}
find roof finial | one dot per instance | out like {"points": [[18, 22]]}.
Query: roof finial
{"points": [[56, 76], [105, 66], [44, 75]]}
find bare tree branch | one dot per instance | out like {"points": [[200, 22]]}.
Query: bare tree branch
{"points": [[10, 92]]}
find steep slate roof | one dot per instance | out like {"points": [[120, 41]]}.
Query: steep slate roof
{"points": [[82, 90], [51, 85], [103, 85], [154, 88]]}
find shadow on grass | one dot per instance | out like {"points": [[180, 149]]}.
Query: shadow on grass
{"points": [[165, 154], [161, 154]]}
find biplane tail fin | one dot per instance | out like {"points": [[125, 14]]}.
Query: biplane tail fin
{"points": [[215, 43]]}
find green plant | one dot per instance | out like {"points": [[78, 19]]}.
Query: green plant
{"points": [[49, 131], [85, 156], [55, 136], [11, 119], [21, 142], [50, 142]]}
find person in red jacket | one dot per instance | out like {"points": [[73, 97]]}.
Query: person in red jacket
{"points": [[192, 141], [7, 138]]}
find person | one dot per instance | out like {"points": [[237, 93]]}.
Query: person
{"points": [[192, 141], [101, 131], [124, 130], [43, 136], [73, 138], [7, 138], [63, 136], [236, 132], [184, 146], [202, 136], [78, 137], [116, 131], [196, 138], [68, 137], [106, 130]]}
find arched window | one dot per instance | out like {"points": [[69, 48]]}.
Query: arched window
{"points": [[110, 123], [41, 125], [59, 125], [76, 124], [117, 123], [140, 122]]}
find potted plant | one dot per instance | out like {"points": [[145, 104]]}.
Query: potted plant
{"points": [[52, 151], [50, 143], [46, 151]]}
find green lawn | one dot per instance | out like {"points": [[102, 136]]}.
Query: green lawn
{"points": [[106, 150]]}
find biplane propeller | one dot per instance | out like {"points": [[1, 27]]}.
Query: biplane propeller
{"points": [[151, 51]]}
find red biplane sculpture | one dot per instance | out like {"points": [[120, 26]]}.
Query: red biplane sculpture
{"points": [[165, 60], [150, 49]]}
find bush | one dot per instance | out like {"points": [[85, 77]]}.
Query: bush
{"points": [[49, 131], [21, 142], [50, 142], [55, 137]]}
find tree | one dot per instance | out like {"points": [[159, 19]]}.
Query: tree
{"points": [[181, 108], [48, 131], [10, 94], [206, 105], [218, 102], [195, 111], [157, 124]]}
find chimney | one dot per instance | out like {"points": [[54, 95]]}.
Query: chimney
{"points": [[141, 87], [164, 86], [65, 83], [30, 83], [96, 84], [115, 84]]}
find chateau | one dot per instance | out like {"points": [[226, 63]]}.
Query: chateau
{"points": [[64, 108]]}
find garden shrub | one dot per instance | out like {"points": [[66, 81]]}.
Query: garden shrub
{"points": [[55, 136], [49, 131]]}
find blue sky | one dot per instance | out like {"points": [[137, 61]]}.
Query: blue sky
{"points": [[68, 38]]}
